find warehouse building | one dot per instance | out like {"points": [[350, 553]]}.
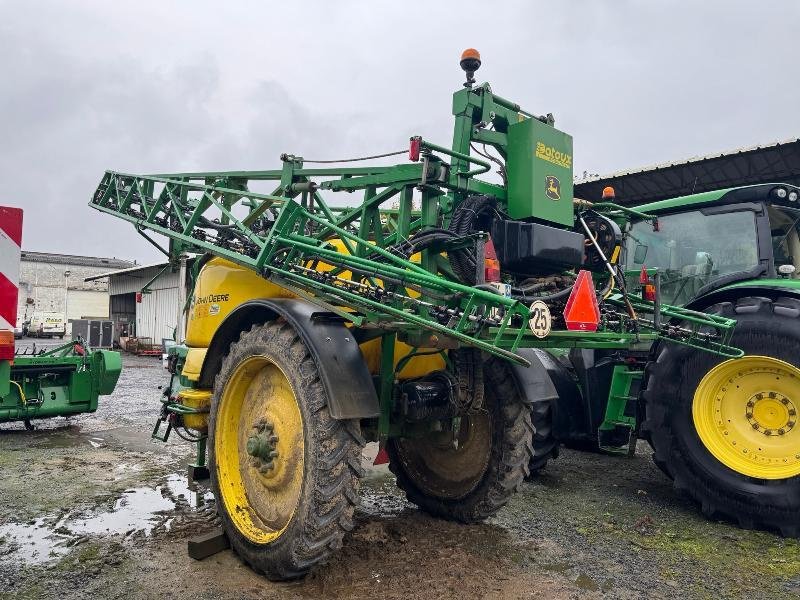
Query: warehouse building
{"points": [[58, 283], [769, 163], [143, 300]]}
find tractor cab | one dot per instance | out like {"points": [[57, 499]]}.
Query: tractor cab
{"points": [[704, 242]]}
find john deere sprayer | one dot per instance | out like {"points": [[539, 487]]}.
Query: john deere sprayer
{"points": [[410, 317]]}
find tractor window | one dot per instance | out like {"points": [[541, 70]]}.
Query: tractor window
{"points": [[785, 226], [692, 250]]}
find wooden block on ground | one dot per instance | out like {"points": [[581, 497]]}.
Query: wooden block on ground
{"points": [[197, 473], [208, 544]]}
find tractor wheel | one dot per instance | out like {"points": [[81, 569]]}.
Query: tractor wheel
{"points": [[545, 445], [727, 432], [284, 472], [470, 478]]}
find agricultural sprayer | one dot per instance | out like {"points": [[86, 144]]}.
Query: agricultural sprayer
{"points": [[411, 318]]}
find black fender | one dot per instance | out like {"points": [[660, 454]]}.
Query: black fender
{"points": [[731, 294], [345, 377], [534, 381]]}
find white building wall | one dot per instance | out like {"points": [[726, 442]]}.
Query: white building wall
{"points": [[87, 303], [44, 287], [130, 283], [157, 313]]}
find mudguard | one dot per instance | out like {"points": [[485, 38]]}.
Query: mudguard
{"points": [[734, 292], [345, 377], [534, 381]]}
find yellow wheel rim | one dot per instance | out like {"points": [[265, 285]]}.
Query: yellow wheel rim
{"points": [[258, 447], [745, 412]]}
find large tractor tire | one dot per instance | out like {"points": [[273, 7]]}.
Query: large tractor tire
{"points": [[284, 472], [727, 432], [545, 444], [473, 480]]}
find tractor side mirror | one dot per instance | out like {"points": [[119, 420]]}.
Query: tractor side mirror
{"points": [[639, 254]]}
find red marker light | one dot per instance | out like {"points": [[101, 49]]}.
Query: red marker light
{"points": [[582, 312], [491, 266], [138, 297], [6, 345], [648, 287], [414, 148]]}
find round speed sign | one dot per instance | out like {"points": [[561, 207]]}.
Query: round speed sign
{"points": [[540, 321]]}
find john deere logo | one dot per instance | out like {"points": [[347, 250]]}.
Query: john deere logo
{"points": [[552, 187]]}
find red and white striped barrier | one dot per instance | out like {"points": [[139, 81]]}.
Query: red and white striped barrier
{"points": [[10, 247]]}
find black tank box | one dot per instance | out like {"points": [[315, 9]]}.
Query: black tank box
{"points": [[533, 249]]}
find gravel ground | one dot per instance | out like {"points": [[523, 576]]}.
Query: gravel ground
{"points": [[91, 507]]}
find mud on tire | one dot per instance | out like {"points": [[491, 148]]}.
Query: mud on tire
{"points": [[504, 457], [332, 460]]}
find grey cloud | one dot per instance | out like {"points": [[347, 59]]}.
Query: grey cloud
{"points": [[154, 87]]}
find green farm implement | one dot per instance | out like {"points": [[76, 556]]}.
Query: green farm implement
{"points": [[62, 381], [411, 318], [59, 382]]}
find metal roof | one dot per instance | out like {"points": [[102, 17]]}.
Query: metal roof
{"points": [[779, 161], [126, 271], [73, 259], [135, 269]]}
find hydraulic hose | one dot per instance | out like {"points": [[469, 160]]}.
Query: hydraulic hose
{"points": [[474, 214]]}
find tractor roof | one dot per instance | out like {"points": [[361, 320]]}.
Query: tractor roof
{"points": [[731, 195]]}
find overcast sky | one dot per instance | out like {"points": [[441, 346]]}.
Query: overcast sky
{"points": [[169, 86]]}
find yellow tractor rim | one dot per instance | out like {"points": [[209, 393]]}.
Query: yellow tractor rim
{"points": [[258, 447], [745, 412]]}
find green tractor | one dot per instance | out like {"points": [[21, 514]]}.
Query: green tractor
{"points": [[725, 431]]}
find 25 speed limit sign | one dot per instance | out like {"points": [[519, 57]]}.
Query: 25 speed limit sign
{"points": [[540, 321]]}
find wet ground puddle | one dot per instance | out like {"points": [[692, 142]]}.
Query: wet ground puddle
{"points": [[136, 511]]}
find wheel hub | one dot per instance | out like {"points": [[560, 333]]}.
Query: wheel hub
{"points": [[745, 414], [262, 446], [771, 413]]}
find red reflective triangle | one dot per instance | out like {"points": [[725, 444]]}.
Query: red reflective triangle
{"points": [[582, 312], [382, 457]]}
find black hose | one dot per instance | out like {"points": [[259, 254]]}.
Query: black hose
{"points": [[419, 241], [473, 214]]}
